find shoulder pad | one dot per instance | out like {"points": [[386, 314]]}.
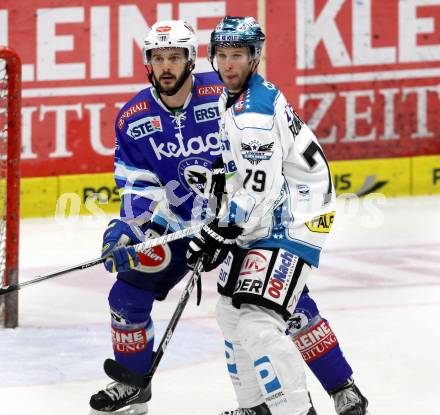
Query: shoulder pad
{"points": [[140, 103], [259, 98]]}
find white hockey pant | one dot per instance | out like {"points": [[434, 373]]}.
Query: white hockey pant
{"points": [[264, 364]]}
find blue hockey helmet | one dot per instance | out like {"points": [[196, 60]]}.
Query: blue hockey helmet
{"points": [[237, 32]]}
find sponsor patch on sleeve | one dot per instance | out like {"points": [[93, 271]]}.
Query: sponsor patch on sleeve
{"points": [[322, 223], [209, 90], [141, 106]]}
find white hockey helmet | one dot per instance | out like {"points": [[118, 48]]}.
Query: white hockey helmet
{"points": [[170, 34]]}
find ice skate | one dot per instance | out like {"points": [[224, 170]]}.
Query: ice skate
{"points": [[120, 399], [261, 409], [349, 400]]}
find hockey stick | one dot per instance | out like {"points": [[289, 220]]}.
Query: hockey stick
{"points": [[149, 243], [121, 374]]}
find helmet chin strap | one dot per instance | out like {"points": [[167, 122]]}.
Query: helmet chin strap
{"points": [[156, 85]]}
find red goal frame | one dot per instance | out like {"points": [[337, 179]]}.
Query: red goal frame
{"points": [[9, 302]]}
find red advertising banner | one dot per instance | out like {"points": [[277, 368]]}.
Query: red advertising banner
{"points": [[364, 74], [81, 62]]}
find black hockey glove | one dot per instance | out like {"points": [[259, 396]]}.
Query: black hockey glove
{"points": [[215, 240]]}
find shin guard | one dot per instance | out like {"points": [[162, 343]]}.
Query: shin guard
{"points": [[318, 345], [132, 327]]}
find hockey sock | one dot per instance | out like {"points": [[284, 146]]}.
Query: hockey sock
{"points": [[132, 326], [318, 345]]}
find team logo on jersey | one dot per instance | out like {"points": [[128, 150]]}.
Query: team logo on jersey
{"points": [[206, 112], [154, 259], [144, 127], [255, 152], [134, 109], [209, 90], [322, 223], [195, 175]]}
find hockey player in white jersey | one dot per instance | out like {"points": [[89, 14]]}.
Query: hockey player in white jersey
{"points": [[280, 209]]}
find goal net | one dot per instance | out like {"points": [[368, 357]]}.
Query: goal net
{"points": [[10, 143]]}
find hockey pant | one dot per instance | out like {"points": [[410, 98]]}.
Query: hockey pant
{"points": [[263, 363]]}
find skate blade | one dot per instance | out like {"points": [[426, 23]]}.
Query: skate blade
{"points": [[135, 409]]}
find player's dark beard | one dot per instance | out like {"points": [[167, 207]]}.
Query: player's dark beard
{"points": [[178, 84]]}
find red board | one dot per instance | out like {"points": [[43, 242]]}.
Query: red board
{"points": [[364, 74], [82, 61]]}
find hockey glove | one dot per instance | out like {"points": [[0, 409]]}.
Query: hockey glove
{"points": [[122, 259], [213, 240], [117, 235]]}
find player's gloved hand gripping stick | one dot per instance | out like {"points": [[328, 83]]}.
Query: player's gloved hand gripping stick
{"points": [[149, 243]]}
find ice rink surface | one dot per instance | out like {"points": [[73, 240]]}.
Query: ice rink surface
{"points": [[378, 285]]}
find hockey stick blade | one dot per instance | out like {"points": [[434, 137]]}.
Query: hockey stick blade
{"points": [[44, 277], [7, 289], [119, 373], [143, 246]]}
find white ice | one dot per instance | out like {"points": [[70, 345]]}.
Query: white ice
{"points": [[378, 284]]}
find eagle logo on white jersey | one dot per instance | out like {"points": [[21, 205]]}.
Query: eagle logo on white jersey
{"points": [[255, 152]]}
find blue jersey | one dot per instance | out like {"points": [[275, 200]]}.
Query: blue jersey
{"points": [[163, 157]]}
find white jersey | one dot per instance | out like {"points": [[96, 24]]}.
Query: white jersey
{"points": [[278, 181]]}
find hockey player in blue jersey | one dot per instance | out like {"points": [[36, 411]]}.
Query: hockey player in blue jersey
{"points": [[280, 207], [167, 140]]}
